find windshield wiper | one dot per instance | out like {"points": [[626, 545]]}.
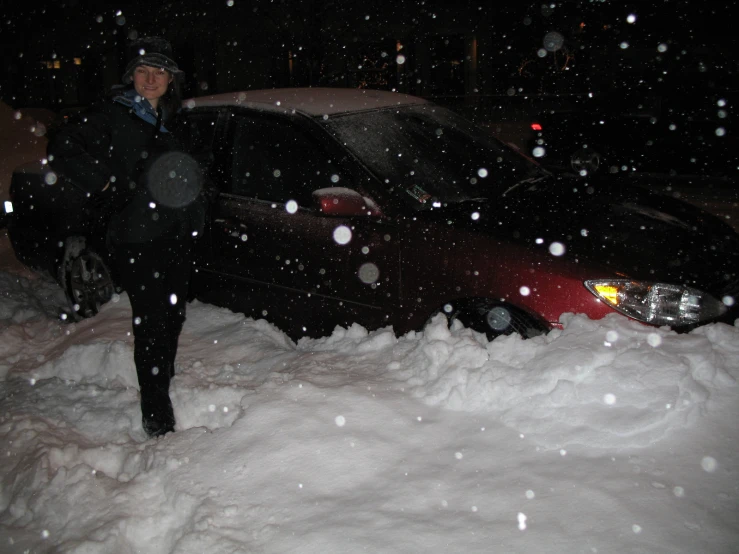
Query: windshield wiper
{"points": [[529, 181]]}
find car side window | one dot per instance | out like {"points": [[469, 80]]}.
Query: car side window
{"points": [[196, 131], [277, 160]]}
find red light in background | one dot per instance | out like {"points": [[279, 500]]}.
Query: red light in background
{"points": [[536, 126]]}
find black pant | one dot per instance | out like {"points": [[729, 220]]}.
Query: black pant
{"points": [[156, 276]]}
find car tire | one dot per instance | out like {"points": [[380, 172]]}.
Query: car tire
{"points": [[495, 319], [87, 283]]}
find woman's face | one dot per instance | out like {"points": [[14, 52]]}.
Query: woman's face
{"points": [[151, 82]]}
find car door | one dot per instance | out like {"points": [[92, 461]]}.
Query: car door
{"points": [[271, 242], [196, 130]]}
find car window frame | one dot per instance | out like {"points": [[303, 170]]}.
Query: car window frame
{"points": [[354, 176], [216, 145]]}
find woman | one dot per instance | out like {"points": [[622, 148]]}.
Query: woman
{"points": [[146, 193]]}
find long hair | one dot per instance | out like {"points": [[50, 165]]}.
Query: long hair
{"points": [[171, 102]]}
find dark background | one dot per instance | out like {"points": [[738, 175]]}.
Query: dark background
{"points": [[69, 53]]}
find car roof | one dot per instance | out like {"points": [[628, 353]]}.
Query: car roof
{"points": [[310, 101]]}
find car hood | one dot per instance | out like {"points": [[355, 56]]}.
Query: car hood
{"points": [[634, 232]]}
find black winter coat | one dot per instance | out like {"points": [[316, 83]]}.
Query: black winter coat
{"points": [[110, 143]]}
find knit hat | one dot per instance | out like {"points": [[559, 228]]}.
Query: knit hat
{"points": [[152, 51]]}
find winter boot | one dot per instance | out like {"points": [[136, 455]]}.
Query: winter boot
{"points": [[157, 415]]}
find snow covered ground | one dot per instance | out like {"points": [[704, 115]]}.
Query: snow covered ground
{"points": [[604, 437]]}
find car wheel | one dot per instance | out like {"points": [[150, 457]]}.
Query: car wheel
{"points": [[495, 319], [585, 159], [88, 283]]}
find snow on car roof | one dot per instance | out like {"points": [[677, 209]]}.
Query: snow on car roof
{"points": [[311, 101]]}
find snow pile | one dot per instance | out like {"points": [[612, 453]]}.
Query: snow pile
{"points": [[601, 383], [604, 437]]}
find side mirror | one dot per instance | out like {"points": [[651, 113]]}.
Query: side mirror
{"points": [[340, 201]]}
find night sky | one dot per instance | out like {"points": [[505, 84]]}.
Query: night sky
{"points": [[239, 44]]}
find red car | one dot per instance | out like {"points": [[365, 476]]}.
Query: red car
{"points": [[333, 206]]}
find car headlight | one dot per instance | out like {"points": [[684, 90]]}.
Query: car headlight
{"points": [[657, 303]]}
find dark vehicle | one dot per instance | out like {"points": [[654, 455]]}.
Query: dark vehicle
{"points": [[336, 206], [684, 146], [646, 138]]}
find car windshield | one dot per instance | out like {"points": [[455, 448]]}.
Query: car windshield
{"points": [[431, 156]]}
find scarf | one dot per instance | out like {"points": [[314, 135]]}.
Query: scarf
{"points": [[140, 106]]}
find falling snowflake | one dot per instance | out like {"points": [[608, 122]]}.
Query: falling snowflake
{"points": [[342, 235]]}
